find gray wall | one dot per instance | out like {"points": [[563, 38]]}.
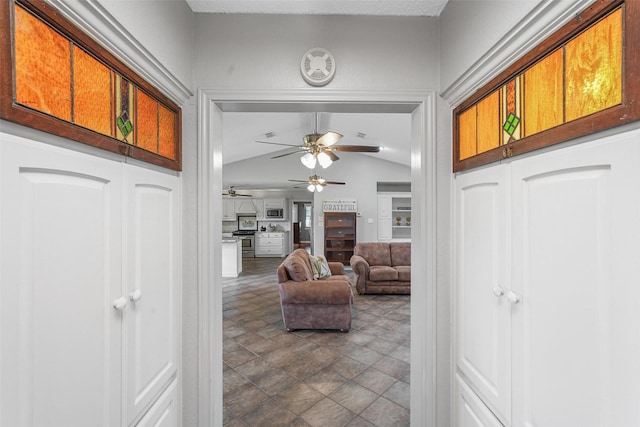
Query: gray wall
{"points": [[252, 51]]}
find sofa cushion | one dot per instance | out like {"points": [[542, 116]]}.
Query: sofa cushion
{"points": [[400, 253], [297, 268], [320, 267], [376, 253], [404, 273], [382, 273]]}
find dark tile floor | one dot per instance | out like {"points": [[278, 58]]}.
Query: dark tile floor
{"points": [[312, 378]]}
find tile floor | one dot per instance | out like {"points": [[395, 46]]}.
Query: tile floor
{"points": [[312, 378]]}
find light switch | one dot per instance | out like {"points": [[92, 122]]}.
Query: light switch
{"points": [[369, 220]]}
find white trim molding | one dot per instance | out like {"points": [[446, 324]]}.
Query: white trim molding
{"points": [[92, 18], [544, 19], [422, 106]]}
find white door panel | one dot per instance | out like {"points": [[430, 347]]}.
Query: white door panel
{"points": [[152, 255], [165, 412], [60, 257], [483, 344], [575, 222], [470, 410]]}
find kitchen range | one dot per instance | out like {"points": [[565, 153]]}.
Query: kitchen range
{"points": [[247, 227]]}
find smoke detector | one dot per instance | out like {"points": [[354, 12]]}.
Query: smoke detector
{"points": [[317, 66]]}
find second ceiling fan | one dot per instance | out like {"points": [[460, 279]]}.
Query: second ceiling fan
{"points": [[320, 148], [317, 183]]}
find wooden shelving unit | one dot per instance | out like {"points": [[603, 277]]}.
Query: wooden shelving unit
{"points": [[339, 236]]}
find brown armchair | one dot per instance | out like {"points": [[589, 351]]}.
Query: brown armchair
{"points": [[309, 303]]}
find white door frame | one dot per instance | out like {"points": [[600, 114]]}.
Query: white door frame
{"points": [[422, 106]]}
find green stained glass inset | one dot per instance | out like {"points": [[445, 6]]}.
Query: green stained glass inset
{"points": [[124, 124], [511, 124]]}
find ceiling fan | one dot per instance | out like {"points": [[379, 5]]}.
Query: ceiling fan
{"points": [[233, 193], [320, 148], [317, 183]]}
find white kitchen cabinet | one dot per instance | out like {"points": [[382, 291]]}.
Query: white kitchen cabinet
{"points": [[259, 204], [547, 323], [228, 209], [270, 244], [394, 216], [274, 204], [89, 282]]}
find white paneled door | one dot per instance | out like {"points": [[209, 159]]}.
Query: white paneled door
{"points": [[89, 289], [151, 250], [575, 251], [483, 316], [60, 253]]}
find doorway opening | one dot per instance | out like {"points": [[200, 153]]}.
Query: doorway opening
{"points": [[302, 220], [422, 107]]}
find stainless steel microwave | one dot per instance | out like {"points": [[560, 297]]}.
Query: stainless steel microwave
{"points": [[275, 213]]}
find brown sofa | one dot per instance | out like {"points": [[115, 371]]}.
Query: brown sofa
{"points": [[382, 267], [313, 304]]}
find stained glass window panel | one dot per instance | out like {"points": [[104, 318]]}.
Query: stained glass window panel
{"points": [[147, 122], [511, 110], [167, 132], [124, 110], [543, 94], [594, 68], [91, 93], [43, 66], [489, 123], [468, 132]]}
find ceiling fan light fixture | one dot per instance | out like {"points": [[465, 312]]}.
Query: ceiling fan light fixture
{"points": [[311, 188], [324, 160], [309, 160], [319, 188]]}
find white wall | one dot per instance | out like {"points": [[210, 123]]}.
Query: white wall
{"points": [[359, 172]]}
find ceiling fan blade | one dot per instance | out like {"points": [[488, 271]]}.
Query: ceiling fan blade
{"points": [[329, 138], [332, 155], [357, 148], [280, 143], [288, 154], [299, 180], [334, 182]]}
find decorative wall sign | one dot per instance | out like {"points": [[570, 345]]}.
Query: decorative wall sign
{"points": [[58, 80], [584, 78], [339, 206]]}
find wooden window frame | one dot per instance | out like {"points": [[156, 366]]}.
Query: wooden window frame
{"points": [[14, 112], [625, 112]]}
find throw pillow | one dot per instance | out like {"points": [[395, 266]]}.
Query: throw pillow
{"points": [[320, 267]]}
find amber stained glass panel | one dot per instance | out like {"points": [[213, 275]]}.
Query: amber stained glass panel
{"points": [[43, 66], [594, 68], [167, 132], [488, 123], [543, 94], [91, 93], [468, 131], [147, 121]]}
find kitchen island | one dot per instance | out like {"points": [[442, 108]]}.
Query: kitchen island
{"points": [[231, 257]]}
